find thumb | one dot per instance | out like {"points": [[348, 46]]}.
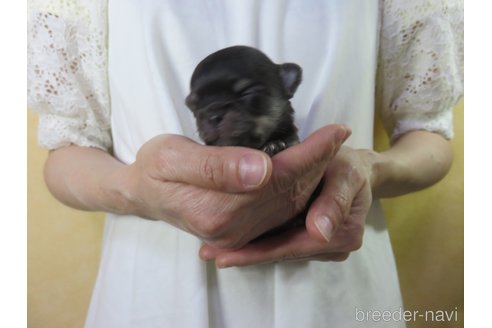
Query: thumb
{"points": [[331, 208], [309, 158], [230, 169]]}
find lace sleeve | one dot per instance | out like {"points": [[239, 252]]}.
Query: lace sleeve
{"points": [[420, 71], [67, 72]]}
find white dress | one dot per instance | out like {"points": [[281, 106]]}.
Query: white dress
{"points": [[406, 59]]}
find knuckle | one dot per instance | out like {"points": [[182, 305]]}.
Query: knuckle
{"points": [[208, 229], [212, 170], [205, 225], [351, 171], [356, 177], [212, 219], [342, 204], [355, 240], [355, 244]]}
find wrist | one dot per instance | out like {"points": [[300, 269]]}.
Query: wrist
{"points": [[391, 177], [382, 171], [116, 191]]}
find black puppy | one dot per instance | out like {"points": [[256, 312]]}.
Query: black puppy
{"points": [[239, 97]]}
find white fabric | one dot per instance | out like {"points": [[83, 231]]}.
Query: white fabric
{"points": [[150, 274]]}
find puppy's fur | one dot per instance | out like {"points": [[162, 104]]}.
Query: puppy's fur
{"points": [[239, 97]]}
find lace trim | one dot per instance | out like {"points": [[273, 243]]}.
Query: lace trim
{"points": [[420, 74], [67, 82]]}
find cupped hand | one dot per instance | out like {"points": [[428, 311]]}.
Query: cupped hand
{"points": [[227, 196], [334, 224]]}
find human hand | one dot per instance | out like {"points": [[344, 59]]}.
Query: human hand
{"points": [[334, 224], [226, 196]]}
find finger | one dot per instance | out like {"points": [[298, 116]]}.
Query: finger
{"points": [[294, 244], [276, 249], [312, 155], [230, 169], [332, 207]]}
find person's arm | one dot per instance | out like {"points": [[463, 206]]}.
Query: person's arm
{"points": [[91, 179], [416, 160], [170, 175], [75, 176], [224, 195]]}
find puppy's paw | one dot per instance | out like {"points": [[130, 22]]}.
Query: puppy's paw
{"points": [[274, 147]]}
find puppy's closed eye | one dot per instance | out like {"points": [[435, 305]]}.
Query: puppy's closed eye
{"points": [[246, 87]]}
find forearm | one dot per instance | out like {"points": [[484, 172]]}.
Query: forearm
{"points": [[417, 160], [79, 177]]}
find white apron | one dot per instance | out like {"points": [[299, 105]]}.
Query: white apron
{"points": [[150, 273]]}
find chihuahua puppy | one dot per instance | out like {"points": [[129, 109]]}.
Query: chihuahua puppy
{"points": [[239, 97]]}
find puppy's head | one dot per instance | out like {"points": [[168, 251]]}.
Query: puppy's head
{"points": [[238, 96]]}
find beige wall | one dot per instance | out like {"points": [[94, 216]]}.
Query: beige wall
{"points": [[64, 245], [427, 234], [62, 253]]}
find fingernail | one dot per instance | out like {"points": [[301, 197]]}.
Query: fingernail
{"points": [[343, 134], [325, 227], [222, 264], [252, 169]]}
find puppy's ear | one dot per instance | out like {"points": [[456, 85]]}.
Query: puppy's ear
{"points": [[191, 100], [291, 75]]}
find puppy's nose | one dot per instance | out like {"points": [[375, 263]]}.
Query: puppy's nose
{"points": [[215, 119]]}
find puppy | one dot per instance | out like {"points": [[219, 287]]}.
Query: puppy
{"points": [[239, 97]]}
